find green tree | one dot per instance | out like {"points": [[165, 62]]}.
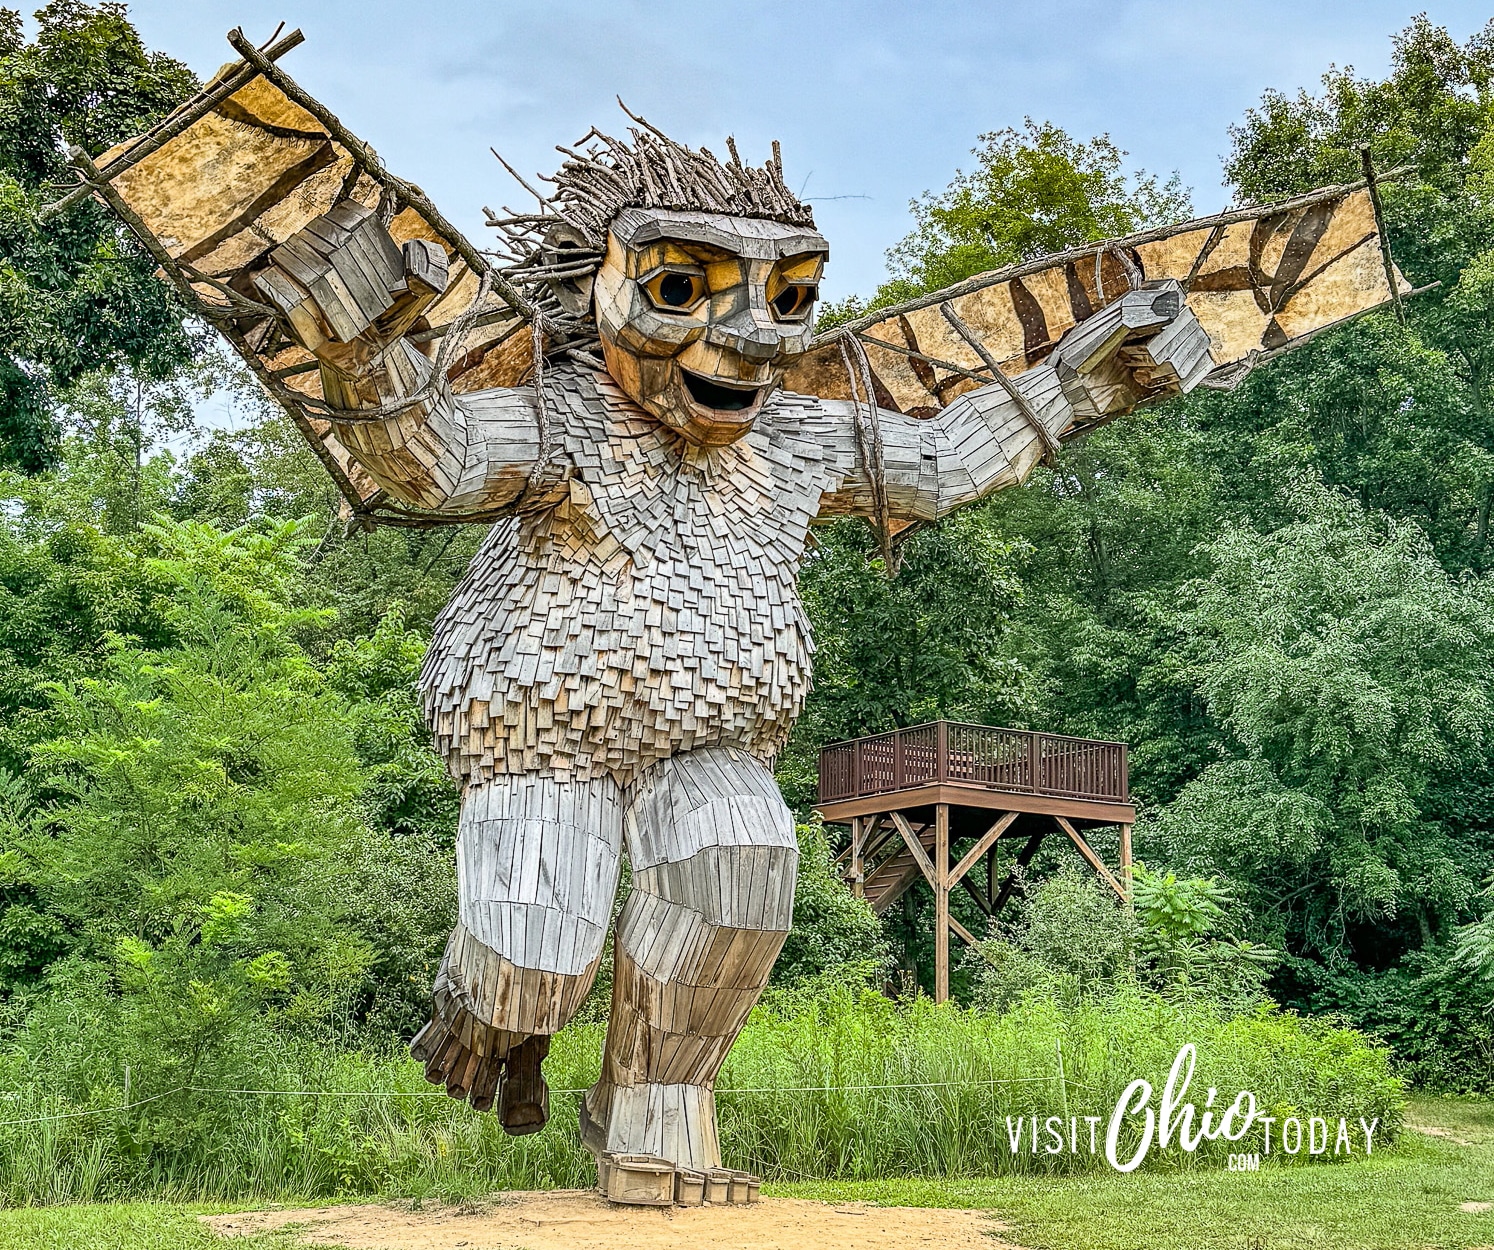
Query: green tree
{"points": [[1032, 192], [835, 936], [923, 644], [1349, 674], [77, 295], [1403, 421]]}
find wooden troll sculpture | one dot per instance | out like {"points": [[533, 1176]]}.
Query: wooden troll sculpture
{"points": [[628, 651]]}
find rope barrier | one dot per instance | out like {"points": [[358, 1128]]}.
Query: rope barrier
{"points": [[74, 1115], [441, 1093]]}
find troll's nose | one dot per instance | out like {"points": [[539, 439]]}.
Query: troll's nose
{"points": [[750, 331]]}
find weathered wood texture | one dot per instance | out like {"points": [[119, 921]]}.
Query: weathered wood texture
{"points": [[241, 180], [257, 166], [1256, 279]]}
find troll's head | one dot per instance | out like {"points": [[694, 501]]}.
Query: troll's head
{"points": [[699, 277]]}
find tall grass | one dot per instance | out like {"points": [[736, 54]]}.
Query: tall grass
{"points": [[830, 1085]]}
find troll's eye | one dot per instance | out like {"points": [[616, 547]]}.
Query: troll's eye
{"points": [[674, 291], [794, 301]]}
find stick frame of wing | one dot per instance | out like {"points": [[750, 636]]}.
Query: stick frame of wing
{"points": [[1262, 281], [227, 178]]}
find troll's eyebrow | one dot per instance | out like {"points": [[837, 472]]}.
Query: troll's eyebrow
{"points": [[739, 236]]}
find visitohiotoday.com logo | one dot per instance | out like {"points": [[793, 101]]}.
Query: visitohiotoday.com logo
{"points": [[1138, 1125]]}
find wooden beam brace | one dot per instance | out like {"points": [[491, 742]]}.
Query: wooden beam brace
{"points": [[1024, 858], [974, 891], [987, 841], [1095, 861], [876, 838], [963, 932], [915, 848]]}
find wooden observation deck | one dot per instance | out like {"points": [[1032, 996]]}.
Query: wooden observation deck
{"points": [[913, 796]]}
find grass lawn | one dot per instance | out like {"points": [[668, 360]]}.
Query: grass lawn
{"points": [[117, 1226], [1403, 1199], [1407, 1198]]}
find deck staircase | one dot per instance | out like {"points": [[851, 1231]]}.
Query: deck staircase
{"points": [[891, 867], [889, 880]]}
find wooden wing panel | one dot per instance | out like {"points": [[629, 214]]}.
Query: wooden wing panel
{"points": [[248, 170], [1258, 281]]}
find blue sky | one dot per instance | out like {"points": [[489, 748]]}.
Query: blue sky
{"points": [[873, 102]]}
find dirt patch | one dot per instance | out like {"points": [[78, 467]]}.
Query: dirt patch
{"points": [[1433, 1130], [1476, 1208], [579, 1219]]}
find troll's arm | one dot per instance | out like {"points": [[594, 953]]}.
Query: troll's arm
{"points": [[348, 294], [1141, 348]]}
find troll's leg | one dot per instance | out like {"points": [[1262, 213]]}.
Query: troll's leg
{"points": [[537, 862], [714, 858]]}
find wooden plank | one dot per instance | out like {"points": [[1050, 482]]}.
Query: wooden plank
{"points": [[941, 903], [970, 794], [1095, 861], [987, 841], [915, 848], [964, 932]]}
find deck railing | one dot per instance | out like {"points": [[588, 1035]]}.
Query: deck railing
{"points": [[946, 752]]}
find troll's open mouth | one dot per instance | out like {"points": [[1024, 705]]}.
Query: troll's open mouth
{"points": [[718, 395]]}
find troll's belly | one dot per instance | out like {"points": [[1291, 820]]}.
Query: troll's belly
{"points": [[564, 655]]}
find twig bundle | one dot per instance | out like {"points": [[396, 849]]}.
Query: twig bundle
{"points": [[565, 240]]}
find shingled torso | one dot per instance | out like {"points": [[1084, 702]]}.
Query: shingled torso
{"points": [[652, 609]]}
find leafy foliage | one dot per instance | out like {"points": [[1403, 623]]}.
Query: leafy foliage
{"points": [[835, 937], [77, 295], [1032, 192], [1278, 595]]}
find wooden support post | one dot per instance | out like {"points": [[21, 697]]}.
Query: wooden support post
{"points": [[858, 869], [1126, 873], [941, 903]]}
